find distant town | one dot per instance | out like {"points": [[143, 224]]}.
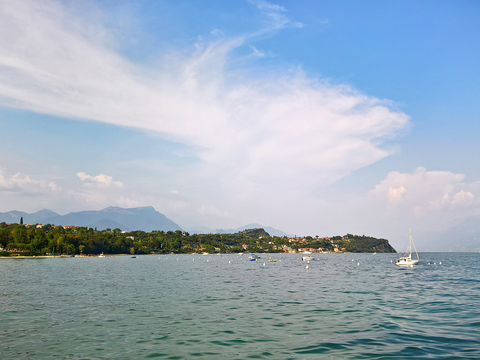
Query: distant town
{"points": [[17, 239]]}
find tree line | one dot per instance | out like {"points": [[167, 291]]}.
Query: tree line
{"points": [[30, 240]]}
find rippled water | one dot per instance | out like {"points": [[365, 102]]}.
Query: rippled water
{"points": [[219, 307]]}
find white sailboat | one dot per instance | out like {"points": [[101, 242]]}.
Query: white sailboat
{"points": [[407, 260]]}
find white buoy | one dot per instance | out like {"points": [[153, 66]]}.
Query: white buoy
{"points": [[306, 267], [208, 260], [352, 259], [434, 263], [193, 259], [263, 264], [440, 263], [229, 262], [358, 263]]}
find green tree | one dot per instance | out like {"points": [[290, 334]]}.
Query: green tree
{"points": [[20, 235]]}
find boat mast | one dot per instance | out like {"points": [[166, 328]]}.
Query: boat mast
{"points": [[412, 242]]}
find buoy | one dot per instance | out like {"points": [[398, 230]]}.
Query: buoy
{"points": [[358, 263], [229, 262], [440, 263], [306, 267], [208, 260], [193, 259], [263, 264], [352, 259]]}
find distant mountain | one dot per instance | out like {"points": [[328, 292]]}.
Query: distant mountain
{"points": [[256, 232], [198, 229], [268, 229], [141, 218], [108, 224], [462, 237], [34, 218]]}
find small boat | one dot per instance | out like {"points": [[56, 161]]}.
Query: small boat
{"points": [[241, 254], [407, 260], [101, 255], [134, 257], [253, 257], [308, 258]]}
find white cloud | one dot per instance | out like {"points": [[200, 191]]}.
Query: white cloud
{"points": [[99, 180], [462, 198], [425, 191], [25, 184], [53, 186], [396, 194], [266, 140], [127, 202], [433, 199]]}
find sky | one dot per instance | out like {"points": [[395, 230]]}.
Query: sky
{"points": [[313, 117]]}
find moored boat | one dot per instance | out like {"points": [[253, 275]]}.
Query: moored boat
{"points": [[253, 257], [408, 260]]}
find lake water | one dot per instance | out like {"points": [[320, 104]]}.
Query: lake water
{"points": [[223, 307]]}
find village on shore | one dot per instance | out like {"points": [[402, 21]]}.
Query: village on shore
{"points": [[46, 240]]}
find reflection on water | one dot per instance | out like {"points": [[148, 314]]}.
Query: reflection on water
{"points": [[217, 307]]}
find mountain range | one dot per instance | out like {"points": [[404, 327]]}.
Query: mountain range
{"points": [[140, 218]]}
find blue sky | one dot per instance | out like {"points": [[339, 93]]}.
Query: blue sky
{"points": [[314, 117]]}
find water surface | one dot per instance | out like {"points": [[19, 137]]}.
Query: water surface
{"points": [[344, 306]]}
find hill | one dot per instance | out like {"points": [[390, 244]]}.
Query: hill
{"points": [[270, 230]]}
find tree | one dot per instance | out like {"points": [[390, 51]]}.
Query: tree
{"points": [[20, 234]]}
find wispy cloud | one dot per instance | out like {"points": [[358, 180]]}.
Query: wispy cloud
{"points": [[259, 139]]}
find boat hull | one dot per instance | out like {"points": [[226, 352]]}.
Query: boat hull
{"points": [[407, 262]]}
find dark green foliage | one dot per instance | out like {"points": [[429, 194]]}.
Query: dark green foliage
{"points": [[28, 240], [357, 243]]}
